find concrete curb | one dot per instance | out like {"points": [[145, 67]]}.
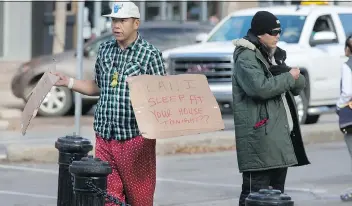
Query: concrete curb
{"points": [[211, 142]]}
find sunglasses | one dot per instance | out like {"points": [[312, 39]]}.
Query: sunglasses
{"points": [[274, 32]]}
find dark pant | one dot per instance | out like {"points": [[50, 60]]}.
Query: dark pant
{"points": [[254, 181]]}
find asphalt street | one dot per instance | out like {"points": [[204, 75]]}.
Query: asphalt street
{"points": [[197, 180]]}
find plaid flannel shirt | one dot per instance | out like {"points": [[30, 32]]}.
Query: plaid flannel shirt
{"points": [[114, 116]]}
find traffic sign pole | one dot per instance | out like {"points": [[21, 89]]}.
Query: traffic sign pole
{"points": [[79, 67]]}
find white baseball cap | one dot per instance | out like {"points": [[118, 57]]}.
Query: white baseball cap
{"points": [[124, 9]]}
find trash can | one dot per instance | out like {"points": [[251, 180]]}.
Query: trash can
{"points": [[268, 197]]}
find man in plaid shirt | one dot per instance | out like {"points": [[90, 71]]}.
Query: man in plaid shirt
{"points": [[118, 138]]}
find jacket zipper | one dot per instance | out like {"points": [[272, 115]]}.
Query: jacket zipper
{"points": [[281, 100], [266, 102]]}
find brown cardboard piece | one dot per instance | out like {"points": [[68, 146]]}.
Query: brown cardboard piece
{"points": [[174, 105], [36, 98]]}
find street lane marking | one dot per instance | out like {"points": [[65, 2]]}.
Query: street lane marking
{"points": [[6, 192], [30, 169], [47, 171]]}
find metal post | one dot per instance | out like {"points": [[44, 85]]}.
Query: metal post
{"points": [[142, 6], [79, 69], [204, 11], [223, 6], [183, 11], [90, 181], [170, 11], [70, 148], [97, 16], [163, 10]]}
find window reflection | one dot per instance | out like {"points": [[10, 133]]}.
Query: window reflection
{"points": [[237, 27]]}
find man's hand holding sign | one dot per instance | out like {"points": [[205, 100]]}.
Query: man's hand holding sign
{"points": [[176, 105]]}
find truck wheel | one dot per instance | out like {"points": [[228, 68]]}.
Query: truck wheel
{"points": [[302, 107]]}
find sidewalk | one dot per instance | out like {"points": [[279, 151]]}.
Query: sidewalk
{"points": [[7, 71], [7, 115], [40, 145]]}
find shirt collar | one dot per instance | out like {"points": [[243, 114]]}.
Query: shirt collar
{"points": [[134, 44]]}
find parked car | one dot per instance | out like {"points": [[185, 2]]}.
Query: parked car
{"points": [[60, 101], [313, 37]]}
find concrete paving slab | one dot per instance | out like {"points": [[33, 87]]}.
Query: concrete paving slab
{"points": [[4, 124], [6, 113]]}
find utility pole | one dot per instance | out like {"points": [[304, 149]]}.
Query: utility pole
{"points": [[59, 27], [79, 65], [97, 17]]}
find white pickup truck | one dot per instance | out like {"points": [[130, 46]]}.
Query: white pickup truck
{"points": [[313, 37]]}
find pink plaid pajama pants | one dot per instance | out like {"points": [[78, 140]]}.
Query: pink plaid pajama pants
{"points": [[134, 169]]}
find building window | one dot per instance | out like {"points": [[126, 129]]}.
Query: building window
{"points": [[152, 11], [193, 10], [214, 11], [173, 11]]}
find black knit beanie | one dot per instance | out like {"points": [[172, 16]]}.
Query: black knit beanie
{"points": [[263, 22]]}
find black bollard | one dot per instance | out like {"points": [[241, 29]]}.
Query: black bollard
{"points": [[90, 181], [70, 148], [268, 197]]}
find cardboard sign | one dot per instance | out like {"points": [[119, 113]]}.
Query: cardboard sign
{"points": [[36, 98], [175, 105]]}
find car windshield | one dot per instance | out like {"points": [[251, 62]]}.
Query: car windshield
{"points": [[162, 38], [237, 27], [347, 26]]}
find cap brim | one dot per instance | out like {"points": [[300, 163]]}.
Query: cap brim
{"points": [[120, 16]]}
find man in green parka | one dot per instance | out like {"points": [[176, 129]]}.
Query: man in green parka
{"points": [[268, 135]]}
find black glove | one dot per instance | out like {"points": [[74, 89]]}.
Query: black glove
{"points": [[279, 69]]}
